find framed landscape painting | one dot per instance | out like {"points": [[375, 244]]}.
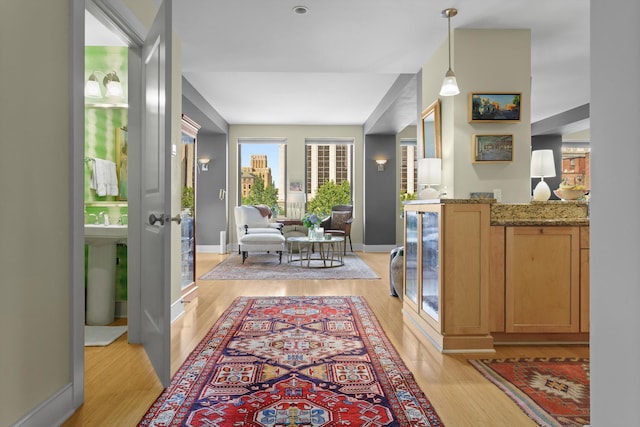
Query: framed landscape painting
{"points": [[487, 107], [492, 148]]}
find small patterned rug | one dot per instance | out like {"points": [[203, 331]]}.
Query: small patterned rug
{"points": [[266, 267], [294, 361], [551, 391]]}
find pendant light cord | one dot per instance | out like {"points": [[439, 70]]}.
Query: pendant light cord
{"points": [[449, 37]]}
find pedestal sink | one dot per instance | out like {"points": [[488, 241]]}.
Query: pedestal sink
{"points": [[101, 286]]}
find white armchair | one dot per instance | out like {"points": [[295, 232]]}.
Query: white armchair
{"points": [[256, 233]]}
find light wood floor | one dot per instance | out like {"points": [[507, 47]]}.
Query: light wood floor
{"points": [[120, 384]]}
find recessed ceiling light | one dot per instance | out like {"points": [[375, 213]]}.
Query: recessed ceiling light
{"points": [[300, 10]]}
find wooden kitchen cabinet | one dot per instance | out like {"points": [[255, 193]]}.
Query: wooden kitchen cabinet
{"points": [[542, 279], [584, 279], [446, 289]]}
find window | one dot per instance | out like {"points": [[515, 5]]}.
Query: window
{"points": [[576, 164], [328, 160], [262, 159], [408, 171]]}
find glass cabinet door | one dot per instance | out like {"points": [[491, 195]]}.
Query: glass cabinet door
{"points": [[431, 264], [411, 256], [188, 178]]}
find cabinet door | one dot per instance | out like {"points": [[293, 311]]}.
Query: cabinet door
{"points": [[411, 257], [430, 298], [584, 290], [542, 279]]}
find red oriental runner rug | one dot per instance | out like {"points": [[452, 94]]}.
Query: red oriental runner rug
{"points": [[294, 361], [551, 391]]}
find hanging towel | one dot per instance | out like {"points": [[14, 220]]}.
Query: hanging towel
{"points": [[103, 178]]}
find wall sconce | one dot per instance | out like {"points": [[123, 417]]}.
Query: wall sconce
{"points": [[203, 163], [110, 81], [542, 166], [449, 85], [381, 163], [429, 173]]}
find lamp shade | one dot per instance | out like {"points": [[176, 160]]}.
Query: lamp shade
{"points": [[449, 85], [542, 164], [92, 88], [429, 171], [297, 197]]}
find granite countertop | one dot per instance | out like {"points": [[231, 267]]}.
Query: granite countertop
{"points": [[449, 201], [567, 222], [549, 213]]}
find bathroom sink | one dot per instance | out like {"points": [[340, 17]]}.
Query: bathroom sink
{"points": [[98, 234]]}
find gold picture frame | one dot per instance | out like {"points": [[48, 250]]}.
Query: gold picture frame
{"points": [[431, 142], [492, 148], [494, 107]]}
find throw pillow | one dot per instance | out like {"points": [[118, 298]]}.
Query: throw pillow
{"points": [[338, 220]]}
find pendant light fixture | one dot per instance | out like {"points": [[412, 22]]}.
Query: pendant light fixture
{"points": [[449, 85]]}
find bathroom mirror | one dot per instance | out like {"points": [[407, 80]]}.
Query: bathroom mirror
{"points": [[431, 144]]}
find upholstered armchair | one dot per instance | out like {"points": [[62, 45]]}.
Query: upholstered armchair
{"points": [[339, 223], [256, 233]]}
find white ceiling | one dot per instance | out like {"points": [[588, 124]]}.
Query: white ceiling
{"points": [[257, 62]]}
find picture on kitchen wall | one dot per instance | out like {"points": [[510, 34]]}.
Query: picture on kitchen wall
{"points": [[492, 148], [487, 107]]}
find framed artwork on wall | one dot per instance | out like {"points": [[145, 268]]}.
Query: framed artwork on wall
{"points": [[295, 185], [489, 107], [431, 143], [492, 148]]}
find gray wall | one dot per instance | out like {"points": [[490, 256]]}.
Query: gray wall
{"points": [[615, 229], [211, 212], [380, 203], [549, 142]]}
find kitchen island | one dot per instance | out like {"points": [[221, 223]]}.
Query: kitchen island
{"points": [[479, 272]]}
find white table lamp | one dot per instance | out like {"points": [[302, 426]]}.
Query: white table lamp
{"points": [[429, 173], [296, 201], [542, 166]]}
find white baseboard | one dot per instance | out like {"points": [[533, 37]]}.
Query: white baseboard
{"points": [[378, 248], [210, 249], [52, 412]]}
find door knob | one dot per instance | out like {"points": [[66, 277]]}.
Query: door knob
{"points": [[162, 218], [153, 219]]}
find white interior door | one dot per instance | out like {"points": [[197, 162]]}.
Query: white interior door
{"points": [[155, 281]]}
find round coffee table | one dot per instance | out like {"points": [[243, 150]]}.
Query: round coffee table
{"points": [[328, 253]]}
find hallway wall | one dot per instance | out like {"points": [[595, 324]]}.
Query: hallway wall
{"points": [[37, 232]]}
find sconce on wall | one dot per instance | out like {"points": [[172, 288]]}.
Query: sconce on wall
{"points": [[381, 163], [203, 162], [110, 81], [449, 85]]}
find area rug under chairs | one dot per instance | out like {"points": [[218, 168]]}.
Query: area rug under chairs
{"points": [[266, 267], [551, 391], [294, 361]]}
